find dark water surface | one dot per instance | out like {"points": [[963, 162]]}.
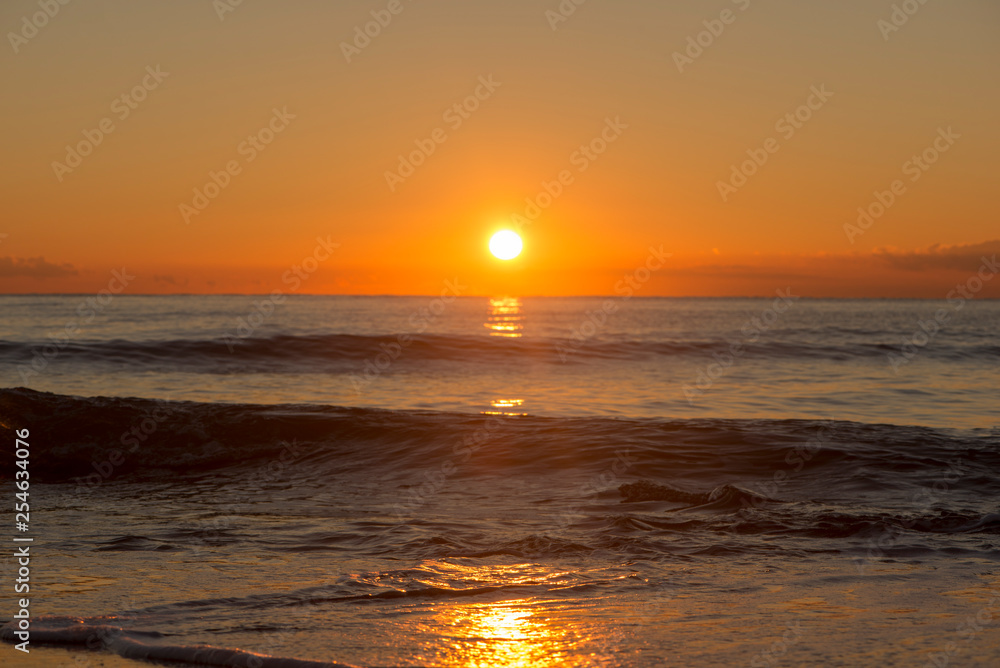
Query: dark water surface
{"points": [[394, 482]]}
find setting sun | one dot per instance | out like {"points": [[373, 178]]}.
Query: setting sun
{"points": [[506, 245]]}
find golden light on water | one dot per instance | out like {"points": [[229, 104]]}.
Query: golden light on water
{"points": [[501, 634], [506, 403], [505, 633], [536, 631], [505, 407], [505, 317]]}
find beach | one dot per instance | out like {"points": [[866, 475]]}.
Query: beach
{"points": [[518, 504]]}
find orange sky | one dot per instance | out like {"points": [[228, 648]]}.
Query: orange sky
{"points": [[198, 86]]}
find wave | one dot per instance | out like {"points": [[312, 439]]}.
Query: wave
{"points": [[131, 438], [130, 644], [297, 353], [724, 497]]}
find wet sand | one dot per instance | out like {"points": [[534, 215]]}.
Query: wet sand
{"points": [[57, 657]]}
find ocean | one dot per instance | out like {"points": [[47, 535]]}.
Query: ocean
{"points": [[270, 481]]}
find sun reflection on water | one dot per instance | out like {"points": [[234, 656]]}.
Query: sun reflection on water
{"points": [[536, 631], [505, 633], [507, 407], [505, 318]]}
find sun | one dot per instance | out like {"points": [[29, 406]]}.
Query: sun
{"points": [[506, 245]]}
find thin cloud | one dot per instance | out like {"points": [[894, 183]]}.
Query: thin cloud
{"points": [[735, 271], [961, 257], [34, 267]]}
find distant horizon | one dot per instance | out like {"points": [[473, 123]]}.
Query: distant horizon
{"points": [[653, 270], [483, 296]]}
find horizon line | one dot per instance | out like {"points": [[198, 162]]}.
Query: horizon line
{"points": [[475, 296]]}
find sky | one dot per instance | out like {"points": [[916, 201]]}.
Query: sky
{"points": [[838, 149]]}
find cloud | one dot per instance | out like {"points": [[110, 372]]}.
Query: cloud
{"points": [[735, 271], [34, 267], [961, 257]]}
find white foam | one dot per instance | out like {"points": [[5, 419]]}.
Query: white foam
{"points": [[75, 632]]}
